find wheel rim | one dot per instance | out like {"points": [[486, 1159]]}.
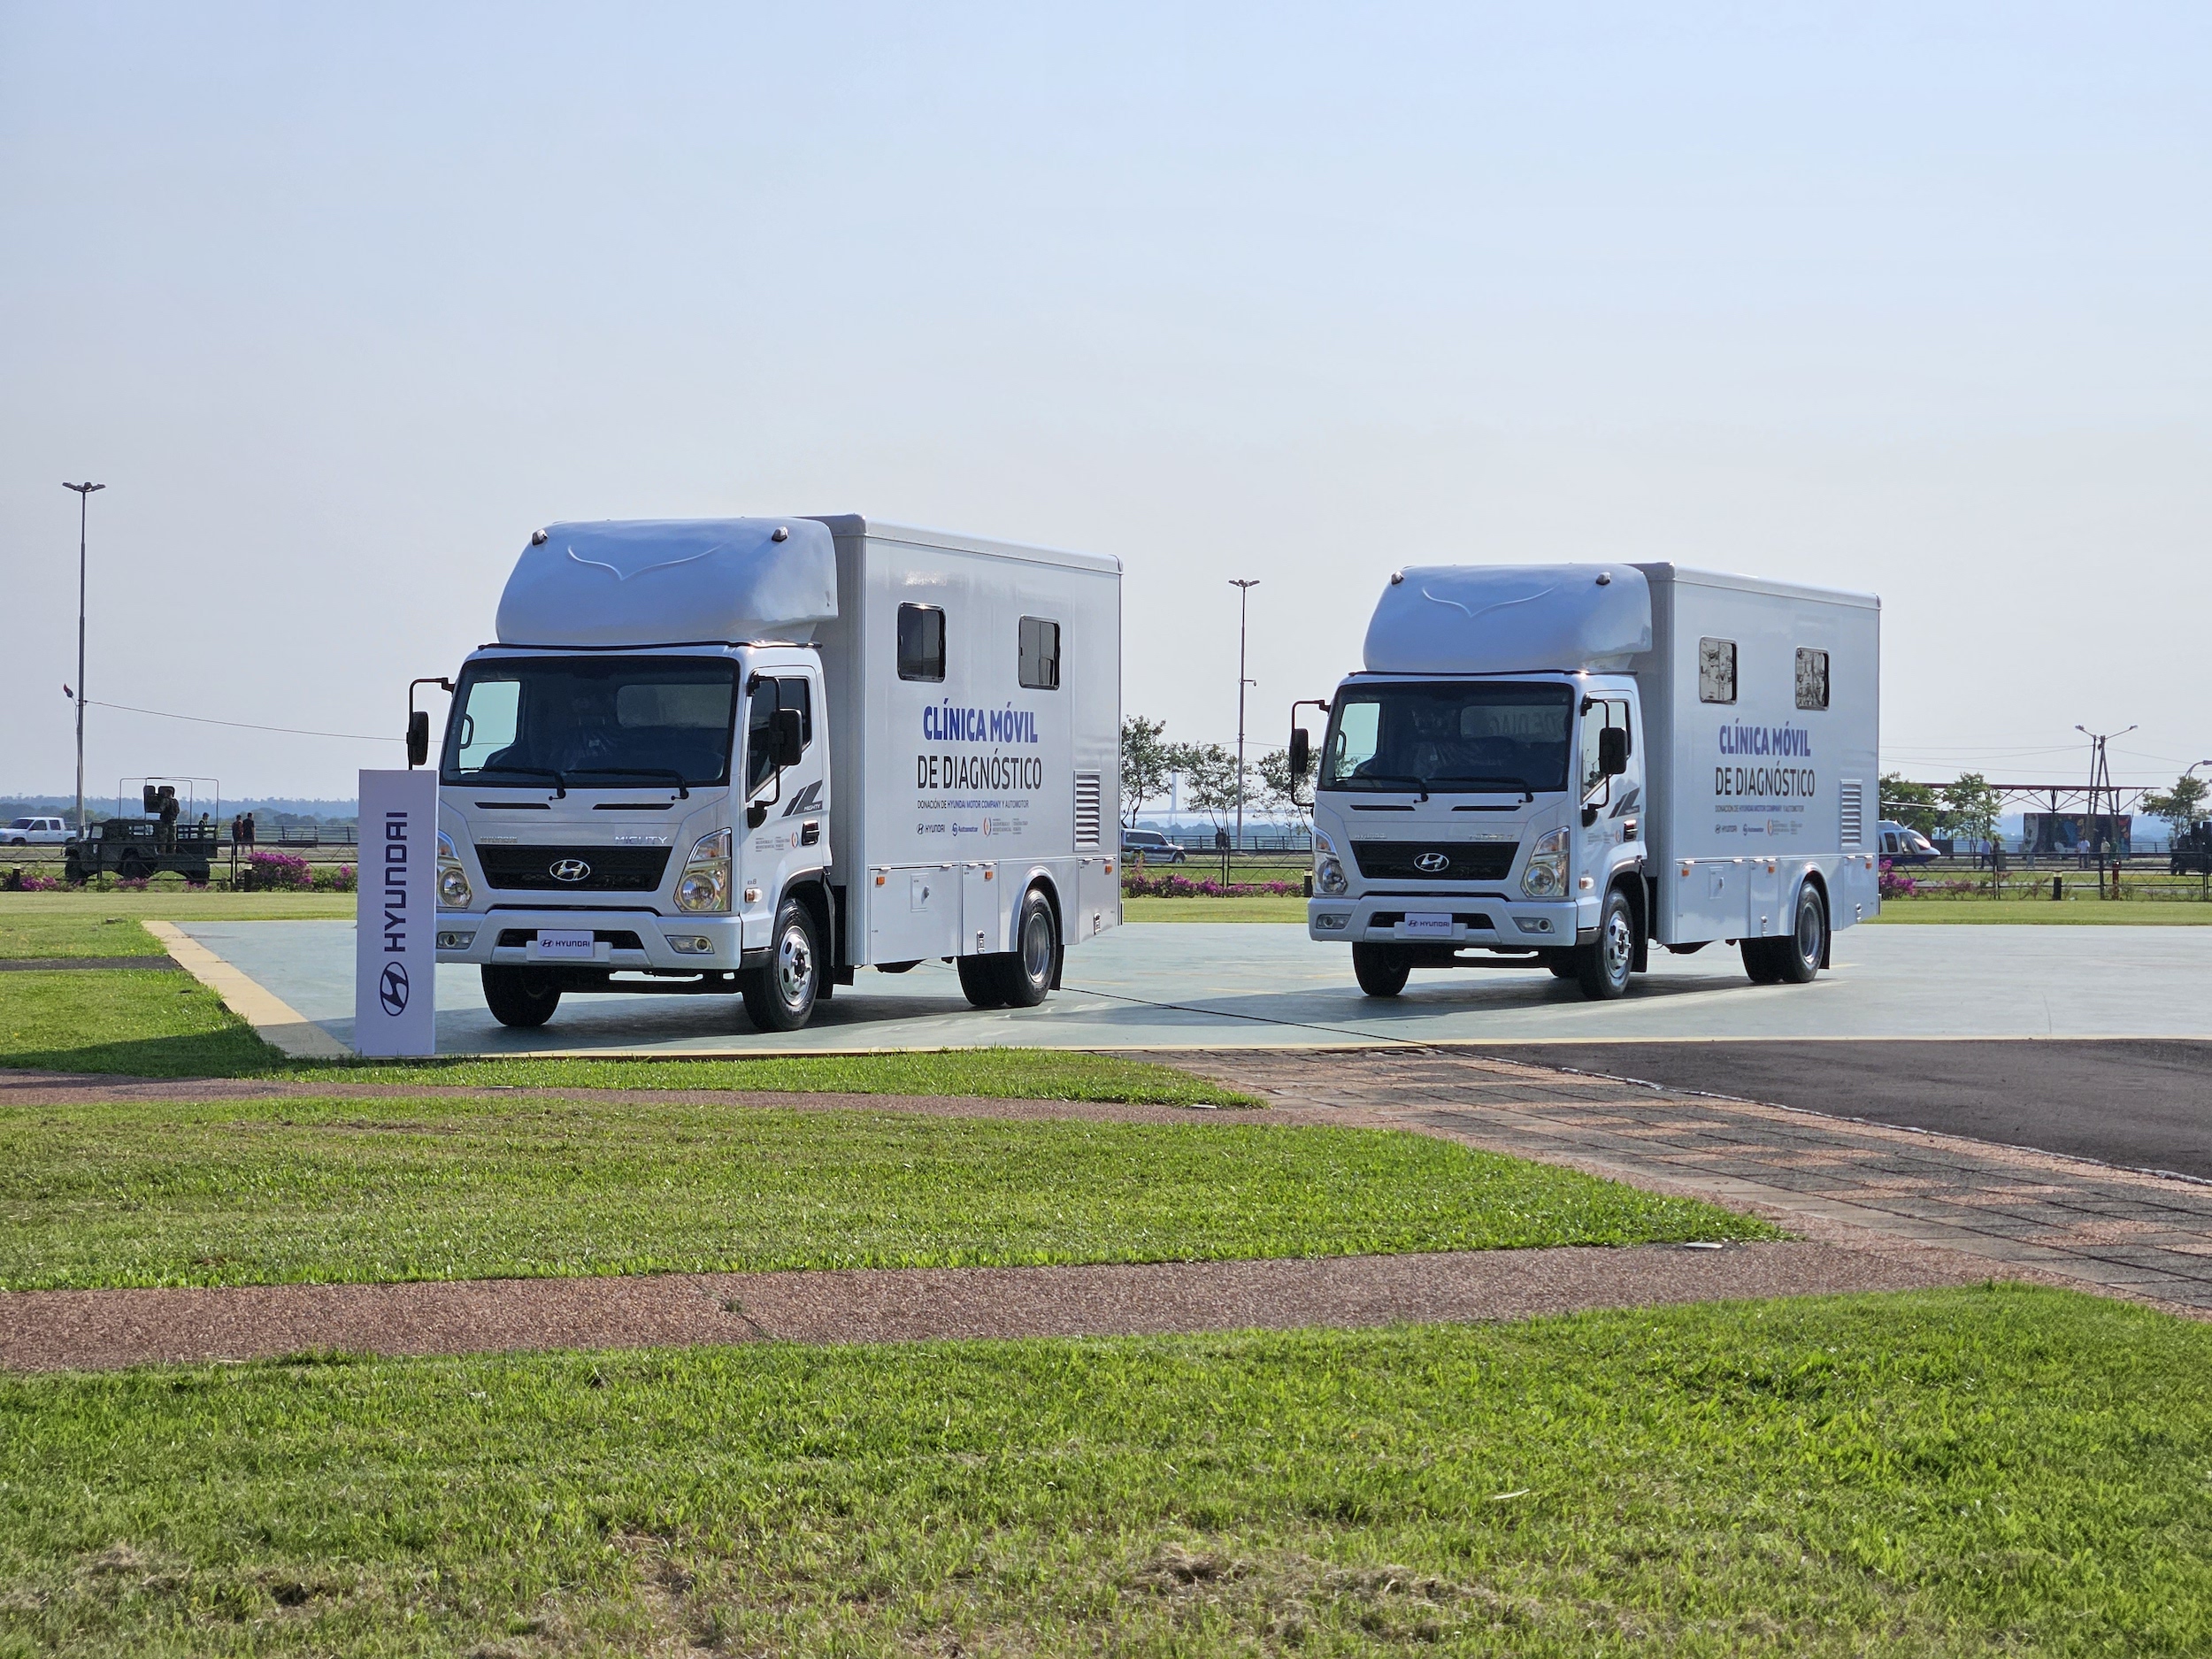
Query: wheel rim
{"points": [[1620, 946], [1037, 946], [795, 966], [1808, 930]]}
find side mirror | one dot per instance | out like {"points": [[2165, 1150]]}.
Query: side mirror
{"points": [[1300, 753], [418, 738], [788, 739], [1613, 751]]}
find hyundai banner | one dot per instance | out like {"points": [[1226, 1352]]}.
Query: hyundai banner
{"points": [[395, 950]]}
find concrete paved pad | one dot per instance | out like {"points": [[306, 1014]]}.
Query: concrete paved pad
{"points": [[1217, 985], [2140, 1102]]}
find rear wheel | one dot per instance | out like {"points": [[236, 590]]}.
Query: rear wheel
{"points": [[1026, 973], [780, 994], [1796, 959], [522, 997], [1602, 967], [979, 982], [1381, 970]]}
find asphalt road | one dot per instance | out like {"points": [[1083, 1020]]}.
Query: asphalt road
{"points": [[2140, 1102]]}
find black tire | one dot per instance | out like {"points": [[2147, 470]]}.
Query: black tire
{"points": [[1602, 966], [1026, 973], [1797, 958], [524, 998], [1561, 963], [1381, 970], [780, 994], [130, 867], [979, 982], [1759, 962], [71, 871]]}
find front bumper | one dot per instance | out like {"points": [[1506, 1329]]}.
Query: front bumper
{"points": [[1477, 922], [613, 932]]}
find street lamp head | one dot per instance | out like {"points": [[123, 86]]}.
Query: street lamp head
{"points": [[82, 490]]}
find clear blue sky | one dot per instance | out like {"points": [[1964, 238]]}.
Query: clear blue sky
{"points": [[339, 302]]}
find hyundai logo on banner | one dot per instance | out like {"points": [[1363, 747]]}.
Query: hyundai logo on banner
{"points": [[395, 942]]}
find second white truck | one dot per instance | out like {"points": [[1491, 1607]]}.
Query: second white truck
{"points": [[754, 755], [1568, 763]]}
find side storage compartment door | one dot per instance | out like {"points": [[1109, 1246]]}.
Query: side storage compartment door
{"points": [[1764, 913], [913, 912], [1711, 900], [982, 931], [1098, 898]]}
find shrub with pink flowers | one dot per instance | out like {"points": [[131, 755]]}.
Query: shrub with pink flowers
{"points": [[275, 872], [1171, 886], [337, 879]]}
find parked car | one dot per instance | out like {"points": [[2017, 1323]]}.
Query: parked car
{"points": [[1902, 845], [35, 832], [1154, 848]]}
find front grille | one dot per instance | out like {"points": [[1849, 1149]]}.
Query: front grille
{"points": [[1464, 860], [613, 868]]}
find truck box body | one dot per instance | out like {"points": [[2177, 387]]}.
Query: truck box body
{"points": [[969, 786], [1752, 763], [688, 727], [1576, 762]]}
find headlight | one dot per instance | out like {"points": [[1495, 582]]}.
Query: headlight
{"points": [[453, 881], [704, 885], [1546, 877], [1328, 874]]}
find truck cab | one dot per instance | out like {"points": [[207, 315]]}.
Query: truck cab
{"points": [[657, 812], [1480, 812]]}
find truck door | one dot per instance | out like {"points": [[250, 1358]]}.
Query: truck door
{"points": [[1612, 807], [791, 840]]}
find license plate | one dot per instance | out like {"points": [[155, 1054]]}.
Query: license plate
{"points": [[1428, 924], [566, 942]]}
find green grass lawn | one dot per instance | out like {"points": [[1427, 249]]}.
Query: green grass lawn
{"points": [[2004, 1470], [167, 1025], [1264, 909], [24, 911], [2093, 913], [269, 1191]]}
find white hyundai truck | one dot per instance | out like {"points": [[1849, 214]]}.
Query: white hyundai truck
{"points": [[754, 755], [1564, 764]]}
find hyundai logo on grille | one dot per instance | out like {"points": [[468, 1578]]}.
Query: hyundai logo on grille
{"points": [[1429, 863], [569, 869]]}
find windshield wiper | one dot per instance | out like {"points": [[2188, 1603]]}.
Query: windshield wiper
{"points": [[1518, 783], [683, 784], [560, 784]]}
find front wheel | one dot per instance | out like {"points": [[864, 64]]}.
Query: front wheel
{"points": [[524, 998], [780, 994], [1602, 967], [1381, 970]]}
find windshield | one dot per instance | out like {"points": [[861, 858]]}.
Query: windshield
{"points": [[1450, 738], [605, 722]]}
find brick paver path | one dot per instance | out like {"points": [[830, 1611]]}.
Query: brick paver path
{"points": [[2028, 1214]]}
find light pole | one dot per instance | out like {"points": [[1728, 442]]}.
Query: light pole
{"points": [[1244, 597], [84, 500]]}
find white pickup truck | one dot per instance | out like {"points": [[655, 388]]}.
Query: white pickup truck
{"points": [[35, 832]]}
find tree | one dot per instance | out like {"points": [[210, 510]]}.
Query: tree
{"points": [[2183, 807], [1209, 780], [1146, 762], [1911, 804], [1279, 790], [1970, 808]]}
